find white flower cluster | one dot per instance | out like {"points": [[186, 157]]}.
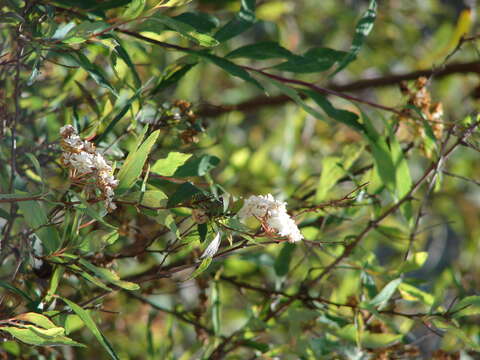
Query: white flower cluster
{"points": [[272, 214], [83, 159]]}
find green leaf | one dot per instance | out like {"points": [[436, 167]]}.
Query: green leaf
{"points": [[84, 31], [293, 94], [334, 168], [151, 198], [109, 276], [88, 96], [123, 54], [202, 22], [216, 308], [184, 192], [90, 324], [166, 218], [134, 9], [186, 30], [93, 70], [403, 180], [36, 319], [262, 347], [283, 260], [170, 164], [201, 268], [411, 293], [172, 3], [229, 67], [363, 28], [173, 75], [93, 212], [54, 282], [261, 51], [345, 117], [197, 166], [468, 306], [384, 164], [202, 231], [242, 22], [368, 339], [314, 60], [36, 217], [37, 336], [415, 262], [133, 165], [16, 290], [386, 293], [19, 196], [117, 117]]}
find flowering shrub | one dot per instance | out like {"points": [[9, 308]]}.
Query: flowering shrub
{"points": [[197, 179]]}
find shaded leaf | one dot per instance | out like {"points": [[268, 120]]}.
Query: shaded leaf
{"points": [[283, 260], [90, 324], [184, 192], [240, 23], [229, 67], [36, 217], [197, 166], [202, 22], [344, 116], [261, 51], [173, 74]]}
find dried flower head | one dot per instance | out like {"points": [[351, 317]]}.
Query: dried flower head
{"points": [[86, 163], [272, 214], [420, 97]]}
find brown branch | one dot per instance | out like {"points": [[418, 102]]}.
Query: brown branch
{"points": [[258, 102]]}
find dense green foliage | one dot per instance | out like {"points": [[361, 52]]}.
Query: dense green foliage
{"points": [[361, 118]]}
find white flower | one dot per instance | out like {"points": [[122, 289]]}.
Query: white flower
{"points": [[273, 214], [74, 142], [82, 157], [82, 162], [100, 163]]}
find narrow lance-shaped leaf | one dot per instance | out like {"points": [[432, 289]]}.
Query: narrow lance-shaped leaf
{"points": [[229, 67], [261, 51], [36, 217], [282, 262], [109, 276], [172, 76], [363, 28], [117, 117], [386, 293], [403, 180], [242, 22], [186, 30], [201, 268], [93, 70], [216, 305], [344, 116], [90, 324], [212, 248]]}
